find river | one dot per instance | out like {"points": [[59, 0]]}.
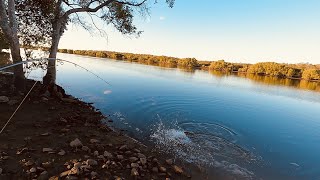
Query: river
{"points": [[256, 127]]}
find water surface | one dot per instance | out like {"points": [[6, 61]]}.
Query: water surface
{"points": [[240, 125]]}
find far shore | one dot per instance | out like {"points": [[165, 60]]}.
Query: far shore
{"points": [[301, 71]]}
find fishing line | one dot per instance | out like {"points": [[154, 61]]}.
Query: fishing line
{"points": [[18, 107], [54, 59]]}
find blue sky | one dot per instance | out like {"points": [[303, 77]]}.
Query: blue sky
{"points": [[234, 30]]}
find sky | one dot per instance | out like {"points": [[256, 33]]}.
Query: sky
{"points": [[250, 31]]}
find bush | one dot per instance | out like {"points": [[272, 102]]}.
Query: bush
{"points": [[311, 74]]}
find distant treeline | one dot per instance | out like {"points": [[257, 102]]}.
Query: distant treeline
{"points": [[302, 70]]}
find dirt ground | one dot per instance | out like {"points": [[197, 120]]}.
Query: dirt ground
{"points": [[51, 138]]}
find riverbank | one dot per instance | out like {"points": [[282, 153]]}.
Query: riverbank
{"points": [[301, 71], [51, 138]]}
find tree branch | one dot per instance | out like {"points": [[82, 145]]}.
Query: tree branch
{"points": [[88, 9]]}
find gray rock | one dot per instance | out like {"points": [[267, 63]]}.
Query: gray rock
{"points": [[134, 172], [94, 141], [44, 176], [92, 162], [107, 155], [13, 102], [120, 157], [124, 147], [1, 170], [62, 152], [163, 169], [94, 174], [155, 170], [28, 163], [4, 99], [85, 148], [143, 161], [169, 161], [47, 150], [95, 153], [33, 170], [76, 143], [133, 159], [141, 155], [134, 165]]}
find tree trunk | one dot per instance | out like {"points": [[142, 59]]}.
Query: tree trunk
{"points": [[9, 26], [19, 78], [49, 80]]}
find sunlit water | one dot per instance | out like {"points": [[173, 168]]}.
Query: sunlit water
{"points": [[245, 127]]}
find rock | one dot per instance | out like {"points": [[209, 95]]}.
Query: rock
{"points": [[69, 100], [124, 147], [134, 172], [134, 165], [43, 176], [128, 152], [105, 166], [177, 169], [94, 174], [169, 161], [13, 102], [75, 143], [100, 157], [33, 170], [45, 134], [65, 130], [46, 164], [133, 159], [28, 163], [44, 99], [94, 141], [155, 160], [62, 152], [1, 171], [92, 162], [77, 165], [63, 174], [4, 99], [107, 155], [143, 161], [54, 178], [47, 150], [63, 120], [28, 138], [74, 171], [85, 148], [136, 150], [155, 170], [95, 153], [141, 155], [163, 169], [120, 157]]}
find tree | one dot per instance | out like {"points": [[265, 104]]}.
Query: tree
{"points": [[9, 26], [118, 13], [3, 42]]}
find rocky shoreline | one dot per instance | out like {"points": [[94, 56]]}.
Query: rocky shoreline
{"points": [[64, 138]]}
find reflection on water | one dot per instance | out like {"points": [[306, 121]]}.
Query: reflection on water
{"points": [[273, 81], [296, 83], [246, 126]]}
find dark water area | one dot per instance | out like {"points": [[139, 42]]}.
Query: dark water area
{"points": [[251, 127]]}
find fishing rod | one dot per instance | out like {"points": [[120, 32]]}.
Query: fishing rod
{"points": [[53, 59]]}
